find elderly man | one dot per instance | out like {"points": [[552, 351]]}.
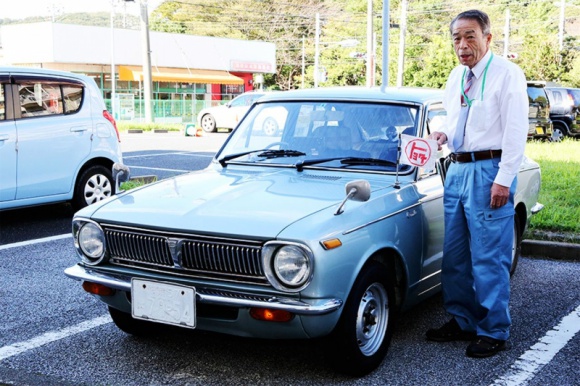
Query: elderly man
{"points": [[487, 123]]}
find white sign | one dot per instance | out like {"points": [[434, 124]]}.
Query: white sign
{"points": [[419, 152]]}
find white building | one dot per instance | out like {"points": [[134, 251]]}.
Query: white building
{"points": [[188, 72]]}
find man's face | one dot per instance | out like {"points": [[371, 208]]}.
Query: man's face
{"points": [[469, 41]]}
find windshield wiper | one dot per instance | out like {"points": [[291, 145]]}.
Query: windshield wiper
{"points": [[367, 161], [346, 161], [266, 153], [281, 153]]}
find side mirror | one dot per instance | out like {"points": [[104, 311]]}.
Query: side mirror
{"points": [[359, 190], [120, 174]]}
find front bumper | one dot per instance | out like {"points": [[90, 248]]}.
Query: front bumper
{"points": [[218, 297]]}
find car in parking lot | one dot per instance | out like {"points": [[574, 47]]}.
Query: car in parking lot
{"points": [[228, 115], [564, 111], [540, 124], [58, 142], [316, 232]]}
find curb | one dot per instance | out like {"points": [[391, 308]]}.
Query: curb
{"points": [[551, 250]]}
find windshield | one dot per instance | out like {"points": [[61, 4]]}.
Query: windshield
{"points": [[321, 134]]}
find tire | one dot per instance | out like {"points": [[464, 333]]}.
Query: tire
{"points": [[126, 323], [270, 126], [94, 184], [208, 123], [517, 245], [361, 339], [558, 133]]}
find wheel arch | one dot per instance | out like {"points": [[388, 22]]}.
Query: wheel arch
{"points": [[393, 261], [98, 161]]}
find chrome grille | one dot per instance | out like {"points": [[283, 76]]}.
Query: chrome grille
{"points": [[189, 255], [129, 246]]}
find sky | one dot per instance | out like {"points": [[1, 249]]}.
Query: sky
{"points": [[19, 9]]}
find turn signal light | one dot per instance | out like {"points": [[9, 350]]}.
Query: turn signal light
{"points": [[269, 315], [97, 289]]}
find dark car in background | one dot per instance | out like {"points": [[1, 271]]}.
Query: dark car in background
{"points": [[564, 111], [539, 114]]}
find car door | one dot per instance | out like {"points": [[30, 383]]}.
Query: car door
{"points": [[7, 142], [52, 142], [430, 189]]}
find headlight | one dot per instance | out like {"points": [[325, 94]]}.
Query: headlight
{"points": [[90, 241], [288, 266]]}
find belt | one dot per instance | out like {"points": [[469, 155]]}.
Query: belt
{"points": [[475, 156]]}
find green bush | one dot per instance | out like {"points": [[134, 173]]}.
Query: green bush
{"points": [[560, 190], [125, 126]]}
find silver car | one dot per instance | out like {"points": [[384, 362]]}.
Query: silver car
{"points": [[317, 231]]}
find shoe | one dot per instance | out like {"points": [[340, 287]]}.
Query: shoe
{"points": [[449, 332], [484, 347]]}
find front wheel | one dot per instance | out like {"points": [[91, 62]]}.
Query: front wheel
{"points": [[126, 323], [363, 334], [208, 123], [93, 185]]}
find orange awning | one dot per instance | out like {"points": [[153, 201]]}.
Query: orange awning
{"points": [[164, 74]]}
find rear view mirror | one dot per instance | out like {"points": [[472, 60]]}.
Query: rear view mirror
{"points": [[359, 190]]}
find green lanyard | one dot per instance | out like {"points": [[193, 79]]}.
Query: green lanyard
{"points": [[466, 99]]}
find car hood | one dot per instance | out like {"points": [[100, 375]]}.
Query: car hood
{"points": [[228, 201]]}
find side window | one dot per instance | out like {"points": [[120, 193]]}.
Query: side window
{"points": [[39, 99], [73, 98], [436, 120], [2, 108]]}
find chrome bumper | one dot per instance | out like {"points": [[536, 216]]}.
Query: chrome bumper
{"points": [[221, 297]]}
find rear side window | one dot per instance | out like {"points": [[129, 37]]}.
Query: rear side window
{"points": [[39, 98], [537, 96], [73, 97], [2, 108]]}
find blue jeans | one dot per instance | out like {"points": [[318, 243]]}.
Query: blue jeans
{"points": [[477, 250]]}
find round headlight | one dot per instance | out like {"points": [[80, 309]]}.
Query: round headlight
{"points": [[292, 265], [91, 242]]}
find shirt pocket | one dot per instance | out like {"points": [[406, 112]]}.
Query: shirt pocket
{"points": [[480, 113]]}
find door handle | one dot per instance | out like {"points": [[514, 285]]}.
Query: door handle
{"points": [[411, 213], [79, 128], [4, 137]]}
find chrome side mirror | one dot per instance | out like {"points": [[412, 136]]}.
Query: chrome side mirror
{"points": [[359, 190], [120, 174]]}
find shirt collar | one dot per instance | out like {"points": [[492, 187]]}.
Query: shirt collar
{"points": [[480, 66]]}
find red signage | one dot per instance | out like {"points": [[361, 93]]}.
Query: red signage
{"points": [[238, 65]]}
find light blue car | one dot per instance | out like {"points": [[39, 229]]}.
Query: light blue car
{"points": [[315, 232], [58, 142]]}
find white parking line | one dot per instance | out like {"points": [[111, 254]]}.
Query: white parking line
{"points": [[540, 354], [161, 169], [51, 336], [35, 241]]}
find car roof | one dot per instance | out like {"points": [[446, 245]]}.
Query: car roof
{"points": [[359, 93], [14, 70]]}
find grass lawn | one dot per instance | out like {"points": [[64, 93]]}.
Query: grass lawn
{"points": [[560, 191]]}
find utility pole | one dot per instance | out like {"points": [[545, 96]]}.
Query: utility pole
{"points": [[403, 33], [113, 76], [316, 50], [386, 23], [303, 62], [147, 81], [370, 47], [506, 34], [561, 27]]}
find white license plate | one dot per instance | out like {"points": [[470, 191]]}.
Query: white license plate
{"points": [[162, 302]]}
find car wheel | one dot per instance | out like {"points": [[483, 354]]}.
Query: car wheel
{"points": [[126, 323], [362, 337], [208, 123], [517, 245], [558, 133], [270, 126], [94, 184]]}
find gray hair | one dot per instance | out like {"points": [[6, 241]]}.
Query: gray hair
{"points": [[474, 14]]}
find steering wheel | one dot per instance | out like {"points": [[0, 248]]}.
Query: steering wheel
{"points": [[278, 143]]}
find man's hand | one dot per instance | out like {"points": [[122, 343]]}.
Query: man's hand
{"points": [[499, 196], [440, 137]]}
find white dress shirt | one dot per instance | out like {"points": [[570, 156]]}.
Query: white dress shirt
{"points": [[498, 116]]}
